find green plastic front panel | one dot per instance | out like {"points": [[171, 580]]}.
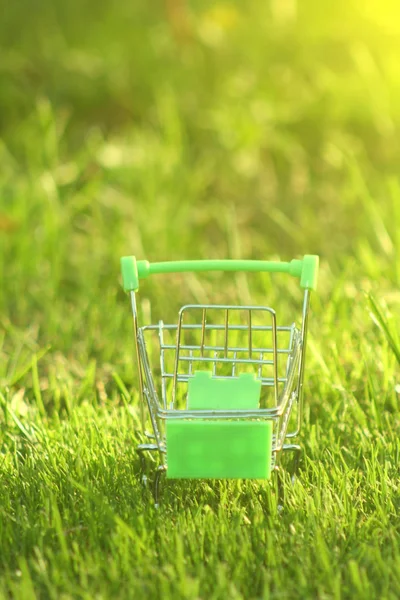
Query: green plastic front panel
{"points": [[218, 449], [210, 393]]}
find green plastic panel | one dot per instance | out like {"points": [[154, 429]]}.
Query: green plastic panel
{"points": [[219, 449], [305, 269], [309, 274], [209, 393], [130, 276]]}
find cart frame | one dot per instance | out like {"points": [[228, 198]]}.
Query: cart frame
{"points": [[287, 390]]}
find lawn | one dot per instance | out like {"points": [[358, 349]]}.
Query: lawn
{"points": [[202, 130]]}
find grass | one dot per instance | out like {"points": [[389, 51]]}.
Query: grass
{"points": [[212, 132]]}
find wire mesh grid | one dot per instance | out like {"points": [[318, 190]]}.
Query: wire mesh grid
{"points": [[225, 341]]}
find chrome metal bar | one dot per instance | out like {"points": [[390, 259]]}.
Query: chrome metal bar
{"points": [[259, 374], [291, 448], [304, 331], [290, 347], [162, 364], [212, 327], [221, 348], [244, 361], [275, 354], [178, 339], [146, 447], [190, 363], [226, 333], [182, 378], [236, 307], [161, 470], [149, 390], [139, 363], [259, 413], [250, 336], [214, 368], [203, 330], [234, 364], [292, 333], [285, 420], [153, 418]]}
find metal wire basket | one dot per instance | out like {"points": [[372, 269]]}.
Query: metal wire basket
{"points": [[222, 386]]}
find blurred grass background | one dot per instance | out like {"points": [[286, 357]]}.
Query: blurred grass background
{"points": [[172, 129]]}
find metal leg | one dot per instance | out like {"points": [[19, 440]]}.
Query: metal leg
{"points": [[296, 449], [142, 473], [141, 449], [156, 488]]}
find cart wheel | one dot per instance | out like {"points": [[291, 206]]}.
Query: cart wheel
{"points": [[156, 486], [141, 449]]}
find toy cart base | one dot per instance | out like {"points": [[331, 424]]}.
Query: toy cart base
{"points": [[223, 386]]}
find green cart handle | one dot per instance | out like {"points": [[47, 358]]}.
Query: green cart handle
{"points": [[305, 269]]}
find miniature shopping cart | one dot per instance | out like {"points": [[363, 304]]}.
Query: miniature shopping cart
{"points": [[221, 389]]}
